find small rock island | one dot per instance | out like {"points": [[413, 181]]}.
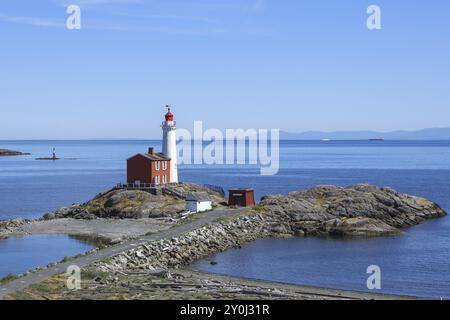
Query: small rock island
{"points": [[52, 158], [8, 153]]}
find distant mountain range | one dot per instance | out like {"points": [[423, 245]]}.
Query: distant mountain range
{"points": [[424, 134]]}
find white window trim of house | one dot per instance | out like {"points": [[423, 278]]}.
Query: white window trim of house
{"points": [[157, 180], [164, 179], [164, 165], [157, 165]]}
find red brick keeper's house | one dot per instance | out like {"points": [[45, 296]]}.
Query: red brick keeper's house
{"points": [[148, 168]]}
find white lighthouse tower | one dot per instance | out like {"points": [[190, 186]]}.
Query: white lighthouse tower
{"points": [[169, 127]]}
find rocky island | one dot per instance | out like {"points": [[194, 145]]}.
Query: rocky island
{"points": [[8, 153], [355, 211], [115, 215], [137, 204], [360, 210], [145, 269]]}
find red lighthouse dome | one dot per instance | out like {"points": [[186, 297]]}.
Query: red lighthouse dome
{"points": [[169, 115]]}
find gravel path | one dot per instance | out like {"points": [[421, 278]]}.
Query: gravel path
{"points": [[113, 229]]}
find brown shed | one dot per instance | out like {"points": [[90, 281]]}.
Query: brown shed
{"points": [[148, 168], [241, 197]]}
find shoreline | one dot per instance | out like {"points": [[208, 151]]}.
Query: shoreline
{"points": [[288, 290], [258, 287], [304, 289], [180, 284], [175, 246]]}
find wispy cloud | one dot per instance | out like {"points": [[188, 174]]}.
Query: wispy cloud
{"points": [[156, 29], [195, 17], [33, 21], [171, 17], [43, 22], [87, 3]]}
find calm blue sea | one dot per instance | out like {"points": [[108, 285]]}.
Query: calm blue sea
{"points": [[415, 263]]}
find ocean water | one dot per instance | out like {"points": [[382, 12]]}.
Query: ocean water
{"points": [[415, 263], [21, 254]]}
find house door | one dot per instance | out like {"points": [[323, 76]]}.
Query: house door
{"points": [[240, 200]]}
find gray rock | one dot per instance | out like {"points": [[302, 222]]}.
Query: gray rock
{"points": [[357, 227], [135, 204], [327, 203]]}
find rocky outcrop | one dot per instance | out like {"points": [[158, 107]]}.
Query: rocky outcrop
{"points": [[5, 153], [360, 210], [355, 227], [136, 204], [352, 211], [8, 227]]}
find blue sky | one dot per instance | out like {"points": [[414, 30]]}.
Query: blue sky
{"points": [[295, 65]]}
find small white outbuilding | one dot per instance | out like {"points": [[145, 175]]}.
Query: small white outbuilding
{"points": [[198, 202]]}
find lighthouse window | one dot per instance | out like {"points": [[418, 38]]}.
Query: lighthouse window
{"points": [[157, 165], [164, 165]]}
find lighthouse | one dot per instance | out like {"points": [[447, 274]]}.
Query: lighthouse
{"points": [[169, 127]]}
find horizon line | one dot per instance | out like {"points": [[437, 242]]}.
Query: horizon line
{"points": [[158, 139]]}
